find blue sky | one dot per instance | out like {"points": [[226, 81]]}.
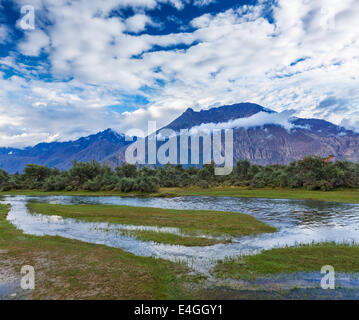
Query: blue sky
{"points": [[89, 65]]}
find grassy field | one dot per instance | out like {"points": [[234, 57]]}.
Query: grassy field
{"points": [[192, 222], [343, 257], [81, 193], [69, 269], [343, 195]]}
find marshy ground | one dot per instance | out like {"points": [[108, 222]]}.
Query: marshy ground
{"points": [[341, 195], [192, 222], [71, 269]]}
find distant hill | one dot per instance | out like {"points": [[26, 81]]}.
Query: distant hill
{"points": [[62, 154], [268, 143]]}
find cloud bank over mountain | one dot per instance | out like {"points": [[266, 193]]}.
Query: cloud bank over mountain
{"points": [[260, 119]]}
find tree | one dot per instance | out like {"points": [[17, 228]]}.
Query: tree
{"points": [[242, 168], [83, 172], [35, 175], [127, 171], [147, 184], [55, 183], [126, 185], [4, 181]]}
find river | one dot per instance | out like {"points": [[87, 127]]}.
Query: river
{"points": [[298, 221]]}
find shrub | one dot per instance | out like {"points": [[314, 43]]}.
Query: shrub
{"points": [[147, 184], [55, 183], [126, 185], [94, 184], [203, 184], [4, 181]]}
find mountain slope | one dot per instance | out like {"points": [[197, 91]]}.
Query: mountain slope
{"points": [[265, 143], [62, 154], [190, 118], [270, 143], [276, 145]]}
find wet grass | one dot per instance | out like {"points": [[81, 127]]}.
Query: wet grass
{"points": [[70, 269], [301, 258], [172, 239], [191, 222], [36, 193], [342, 195]]}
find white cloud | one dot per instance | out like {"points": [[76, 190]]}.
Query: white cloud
{"points": [[308, 53], [138, 22], [202, 3], [244, 58], [259, 119], [4, 34], [34, 42]]}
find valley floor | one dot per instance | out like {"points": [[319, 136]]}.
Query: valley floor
{"points": [[340, 195], [190, 222], [301, 258], [70, 269]]}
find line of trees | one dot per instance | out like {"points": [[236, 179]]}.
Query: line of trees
{"points": [[312, 173]]}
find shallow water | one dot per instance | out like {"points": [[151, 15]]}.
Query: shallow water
{"points": [[346, 285], [298, 222], [11, 290]]}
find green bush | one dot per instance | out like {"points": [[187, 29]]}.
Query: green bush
{"points": [[55, 183], [94, 184], [147, 184], [5, 184], [126, 185], [203, 184], [311, 173]]}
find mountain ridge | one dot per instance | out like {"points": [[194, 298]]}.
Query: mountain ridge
{"points": [[262, 144], [191, 118], [62, 154]]}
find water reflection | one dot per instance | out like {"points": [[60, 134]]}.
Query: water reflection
{"points": [[298, 222]]}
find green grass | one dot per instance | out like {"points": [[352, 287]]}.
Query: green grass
{"points": [[82, 193], [192, 222], [70, 269], [173, 239], [343, 195], [302, 258]]}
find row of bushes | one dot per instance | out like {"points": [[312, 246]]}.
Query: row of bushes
{"points": [[312, 173], [91, 176]]}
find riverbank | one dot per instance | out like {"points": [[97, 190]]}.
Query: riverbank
{"points": [[190, 222], [38, 193], [70, 269], [342, 195], [289, 260]]}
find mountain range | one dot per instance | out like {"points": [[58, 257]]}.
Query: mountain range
{"points": [[62, 154], [256, 137]]}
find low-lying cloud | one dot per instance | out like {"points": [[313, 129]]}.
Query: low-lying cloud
{"points": [[260, 119]]}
